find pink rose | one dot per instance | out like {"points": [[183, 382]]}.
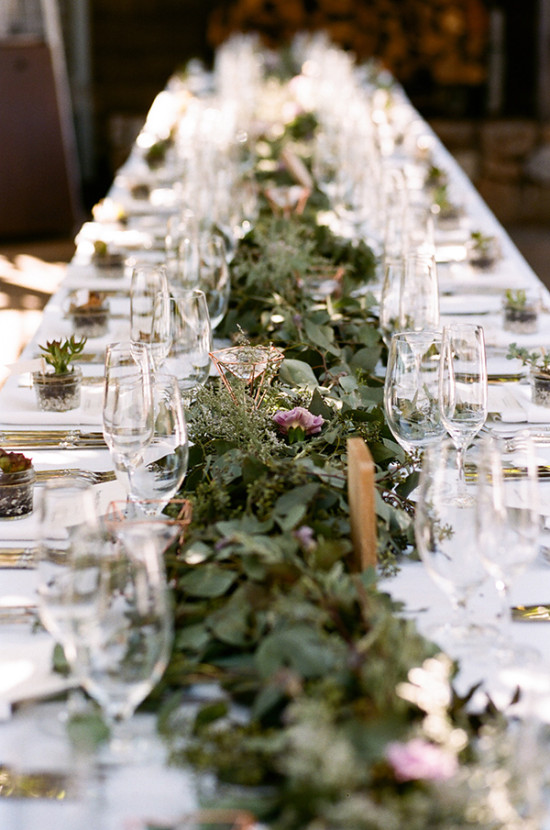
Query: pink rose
{"points": [[419, 759], [298, 422]]}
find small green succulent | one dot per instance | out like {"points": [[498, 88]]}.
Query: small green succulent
{"points": [[59, 354]]}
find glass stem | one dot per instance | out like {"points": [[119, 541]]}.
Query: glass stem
{"points": [[461, 472]]}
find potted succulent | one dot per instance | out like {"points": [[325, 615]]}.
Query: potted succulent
{"points": [[105, 257], [539, 365], [59, 390], [448, 215], [17, 478], [520, 313], [483, 251], [89, 312]]}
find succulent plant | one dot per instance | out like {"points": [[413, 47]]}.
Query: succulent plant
{"points": [[516, 299], [538, 361], [13, 462], [95, 300], [60, 354]]}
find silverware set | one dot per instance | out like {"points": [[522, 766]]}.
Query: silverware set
{"points": [[66, 439], [92, 476]]}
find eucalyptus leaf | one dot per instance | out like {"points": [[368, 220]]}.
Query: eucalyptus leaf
{"points": [[297, 373], [207, 580], [299, 648]]}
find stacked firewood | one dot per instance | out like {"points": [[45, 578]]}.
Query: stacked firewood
{"points": [[444, 40]]}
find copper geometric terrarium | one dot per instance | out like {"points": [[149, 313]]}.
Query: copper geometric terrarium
{"points": [[255, 365]]}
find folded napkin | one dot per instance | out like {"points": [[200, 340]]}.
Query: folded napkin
{"points": [[26, 530], [470, 303], [27, 667], [18, 406], [88, 275], [511, 402]]}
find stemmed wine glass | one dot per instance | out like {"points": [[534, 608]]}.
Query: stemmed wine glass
{"points": [[445, 531], [390, 299], [411, 389], [122, 654], [148, 282], [188, 356], [160, 471], [508, 524], [67, 571], [128, 425], [214, 275], [463, 388], [419, 297]]}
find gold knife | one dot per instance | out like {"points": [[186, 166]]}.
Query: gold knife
{"points": [[17, 557]]}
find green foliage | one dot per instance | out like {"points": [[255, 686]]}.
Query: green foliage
{"points": [[59, 354], [539, 361]]}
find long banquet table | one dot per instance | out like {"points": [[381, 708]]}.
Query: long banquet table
{"points": [[155, 792]]}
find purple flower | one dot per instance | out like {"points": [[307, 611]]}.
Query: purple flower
{"points": [[419, 759], [306, 537], [298, 422]]}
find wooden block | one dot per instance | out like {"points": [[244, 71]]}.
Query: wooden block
{"points": [[361, 496]]}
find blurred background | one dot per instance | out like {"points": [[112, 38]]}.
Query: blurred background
{"points": [[77, 78]]}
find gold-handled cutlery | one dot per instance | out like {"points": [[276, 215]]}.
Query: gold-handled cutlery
{"points": [[18, 557], [93, 476], [40, 438]]}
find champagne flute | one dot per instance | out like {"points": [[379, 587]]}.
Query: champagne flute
{"points": [[419, 298], [390, 300], [508, 524], [463, 388], [148, 281], [158, 475], [445, 531], [127, 405], [67, 574], [188, 356], [123, 653], [214, 276], [411, 387]]}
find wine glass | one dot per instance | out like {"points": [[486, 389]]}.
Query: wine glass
{"points": [[160, 471], [66, 571], [419, 298], [123, 653], [463, 388], [214, 276], [411, 389], [188, 356], [127, 405], [390, 300], [445, 531], [148, 281], [508, 524], [181, 249]]}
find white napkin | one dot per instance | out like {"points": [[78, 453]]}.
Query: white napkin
{"points": [[26, 530], [470, 303], [511, 402], [18, 406]]}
